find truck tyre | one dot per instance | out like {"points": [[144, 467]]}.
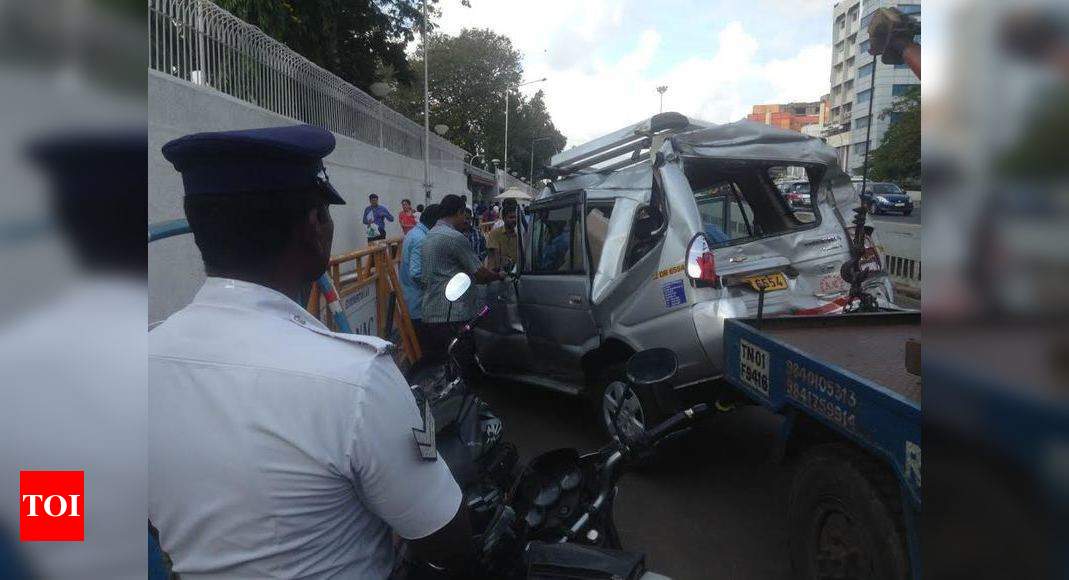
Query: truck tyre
{"points": [[845, 517], [611, 387]]}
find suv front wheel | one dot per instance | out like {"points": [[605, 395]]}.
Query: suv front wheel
{"points": [[614, 390]]}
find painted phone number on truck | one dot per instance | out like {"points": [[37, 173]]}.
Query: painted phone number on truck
{"points": [[814, 391]]}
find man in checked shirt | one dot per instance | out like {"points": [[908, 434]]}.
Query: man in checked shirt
{"points": [[447, 251]]}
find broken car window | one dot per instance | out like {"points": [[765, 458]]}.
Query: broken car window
{"points": [[597, 228], [744, 200]]}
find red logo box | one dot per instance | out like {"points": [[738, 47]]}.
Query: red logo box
{"points": [[52, 506]]}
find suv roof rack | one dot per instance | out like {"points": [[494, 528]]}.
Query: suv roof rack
{"points": [[633, 140]]}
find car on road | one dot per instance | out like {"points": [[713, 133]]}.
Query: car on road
{"points": [[796, 193], [883, 197], [603, 255]]}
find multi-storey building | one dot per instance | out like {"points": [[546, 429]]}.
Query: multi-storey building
{"points": [[791, 116], [851, 80]]}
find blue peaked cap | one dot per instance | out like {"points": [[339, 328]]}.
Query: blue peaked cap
{"points": [[272, 159]]}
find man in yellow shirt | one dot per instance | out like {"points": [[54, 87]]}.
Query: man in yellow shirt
{"points": [[501, 243]]}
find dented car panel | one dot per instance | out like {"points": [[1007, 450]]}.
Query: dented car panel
{"points": [[636, 222]]}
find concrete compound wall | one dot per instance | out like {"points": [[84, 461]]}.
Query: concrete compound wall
{"points": [[900, 244], [356, 169]]}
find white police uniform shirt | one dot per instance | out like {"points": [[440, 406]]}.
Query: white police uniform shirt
{"points": [[279, 449]]}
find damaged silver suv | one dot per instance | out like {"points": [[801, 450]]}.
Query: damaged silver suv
{"points": [[604, 269]]}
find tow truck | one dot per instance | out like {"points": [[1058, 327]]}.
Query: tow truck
{"points": [[848, 386]]}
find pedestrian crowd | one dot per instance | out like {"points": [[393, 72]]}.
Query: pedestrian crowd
{"points": [[446, 242], [439, 241]]}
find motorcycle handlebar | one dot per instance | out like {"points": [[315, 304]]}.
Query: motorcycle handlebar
{"points": [[608, 471], [674, 422], [474, 319]]}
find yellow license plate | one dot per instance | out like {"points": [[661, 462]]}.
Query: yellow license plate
{"points": [[770, 282]]}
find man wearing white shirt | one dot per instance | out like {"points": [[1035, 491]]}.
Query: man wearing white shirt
{"points": [[277, 448]]}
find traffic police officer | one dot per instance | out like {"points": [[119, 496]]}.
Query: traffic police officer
{"points": [[277, 448]]}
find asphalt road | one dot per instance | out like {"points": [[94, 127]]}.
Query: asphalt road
{"points": [[713, 506], [913, 218]]}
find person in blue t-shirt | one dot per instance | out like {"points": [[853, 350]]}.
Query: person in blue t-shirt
{"points": [[375, 218], [411, 267]]}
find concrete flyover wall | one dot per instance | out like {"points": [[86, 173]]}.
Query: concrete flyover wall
{"points": [[177, 107]]}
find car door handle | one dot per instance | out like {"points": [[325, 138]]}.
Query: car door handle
{"points": [[575, 300]]}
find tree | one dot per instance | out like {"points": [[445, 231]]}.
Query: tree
{"points": [[898, 158], [468, 76], [354, 39]]}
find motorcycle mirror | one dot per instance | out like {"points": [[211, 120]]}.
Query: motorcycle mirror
{"points": [[457, 286], [654, 368]]}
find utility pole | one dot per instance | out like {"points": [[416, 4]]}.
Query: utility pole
{"points": [[426, 110], [505, 157], [530, 175], [661, 89]]}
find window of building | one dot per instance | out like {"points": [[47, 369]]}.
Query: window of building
{"points": [[894, 117], [866, 70], [900, 90], [862, 122], [863, 48], [859, 148], [865, 21], [911, 9], [863, 96]]}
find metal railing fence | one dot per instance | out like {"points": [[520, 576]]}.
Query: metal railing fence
{"points": [[199, 42]]}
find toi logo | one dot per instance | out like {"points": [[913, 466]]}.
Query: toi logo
{"points": [[51, 506]]}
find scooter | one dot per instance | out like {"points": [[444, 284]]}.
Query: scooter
{"points": [[554, 519]]}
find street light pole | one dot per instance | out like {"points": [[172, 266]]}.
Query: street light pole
{"points": [[661, 89], [505, 159], [506, 156], [426, 110]]}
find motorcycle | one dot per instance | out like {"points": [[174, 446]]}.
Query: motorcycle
{"points": [[468, 435], [553, 518]]}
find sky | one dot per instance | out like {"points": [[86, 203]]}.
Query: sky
{"points": [[603, 59]]}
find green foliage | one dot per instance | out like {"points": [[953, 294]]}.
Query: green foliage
{"points": [[353, 39], [898, 158], [468, 76]]}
